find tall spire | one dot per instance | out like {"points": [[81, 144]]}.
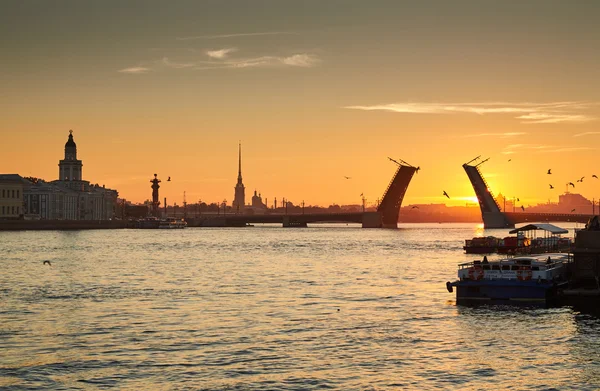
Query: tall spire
{"points": [[240, 164]]}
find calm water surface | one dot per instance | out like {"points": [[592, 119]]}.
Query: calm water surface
{"points": [[266, 308]]}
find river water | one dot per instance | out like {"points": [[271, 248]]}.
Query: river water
{"points": [[267, 308]]}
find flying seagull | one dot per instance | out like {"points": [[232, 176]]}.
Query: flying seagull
{"points": [[347, 177], [523, 208], [580, 180], [509, 160], [518, 200], [552, 187], [446, 194], [549, 171], [572, 210], [571, 183], [169, 179], [415, 207], [47, 262], [594, 176], [417, 169]]}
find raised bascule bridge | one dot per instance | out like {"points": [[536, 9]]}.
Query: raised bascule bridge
{"points": [[491, 213], [386, 215]]}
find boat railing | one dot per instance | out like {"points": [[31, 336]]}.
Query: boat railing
{"points": [[512, 265]]}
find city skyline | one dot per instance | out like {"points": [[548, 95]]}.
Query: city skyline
{"points": [[315, 91]]}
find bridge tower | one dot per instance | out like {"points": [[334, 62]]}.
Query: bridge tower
{"points": [[389, 208], [490, 210]]}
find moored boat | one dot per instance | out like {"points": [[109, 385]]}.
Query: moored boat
{"points": [[482, 245], [172, 223], [532, 279]]}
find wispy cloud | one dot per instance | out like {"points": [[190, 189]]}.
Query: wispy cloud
{"points": [[501, 135], [514, 148], [529, 113], [568, 149], [221, 53], [135, 70], [220, 36], [585, 134], [177, 65], [300, 60], [297, 60]]}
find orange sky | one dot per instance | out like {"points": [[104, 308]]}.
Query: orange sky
{"points": [[314, 90]]}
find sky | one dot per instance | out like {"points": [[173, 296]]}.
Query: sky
{"points": [[315, 91]]}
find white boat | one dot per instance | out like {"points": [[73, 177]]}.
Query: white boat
{"points": [[172, 223], [532, 279]]}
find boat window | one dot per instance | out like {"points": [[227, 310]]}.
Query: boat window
{"points": [[495, 267], [486, 267], [514, 267], [535, 268], [505, 267]]}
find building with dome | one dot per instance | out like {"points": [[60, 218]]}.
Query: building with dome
{"points": [[69, 197]]}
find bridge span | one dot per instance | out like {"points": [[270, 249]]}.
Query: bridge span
{"points": [[367, 219], [386, 215], [491, 214]]}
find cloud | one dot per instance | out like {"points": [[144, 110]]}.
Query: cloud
{"points": [[221, 53], [585, 134], [297, 60], [501, 135], [553, 118], [300, 60], [135, 70], [176, 65], [236, 35], [529, 113], [514, 148]]}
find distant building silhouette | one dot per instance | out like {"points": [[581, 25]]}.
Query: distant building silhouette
{"points": [[11, 196], [69, 197], [239, 199]]}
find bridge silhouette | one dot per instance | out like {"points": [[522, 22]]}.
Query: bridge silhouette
{"points": [[386, 215], [494, 217]]}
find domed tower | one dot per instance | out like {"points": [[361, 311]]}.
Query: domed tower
{"points": [[69, 169]]}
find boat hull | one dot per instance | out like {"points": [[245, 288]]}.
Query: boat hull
{"points": [[505, 292], [480, 250]]}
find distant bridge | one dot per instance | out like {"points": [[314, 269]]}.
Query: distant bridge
{"points": [[287, 220], [386, 215], [491, 214], [525, 217]]}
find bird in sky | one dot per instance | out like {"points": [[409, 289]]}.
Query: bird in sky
{"points": [[580, 180], [47, 262], [572, 210], [518, 200], [446, 194], [509, 160], [522, 208], [552, 187], [417, 169], [549, 171], [571, 183], [595, 176], [347, 177], [169, 179], [415, 207]]}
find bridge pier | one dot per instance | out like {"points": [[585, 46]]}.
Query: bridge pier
{"points": [[372, 220]]}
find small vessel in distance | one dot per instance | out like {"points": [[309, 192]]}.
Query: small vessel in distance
{"points": [[172, 223], [531, 279]]}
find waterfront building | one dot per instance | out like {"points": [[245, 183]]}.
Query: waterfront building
{"points": [[70, 197], [239, 199], [11, 196]]}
